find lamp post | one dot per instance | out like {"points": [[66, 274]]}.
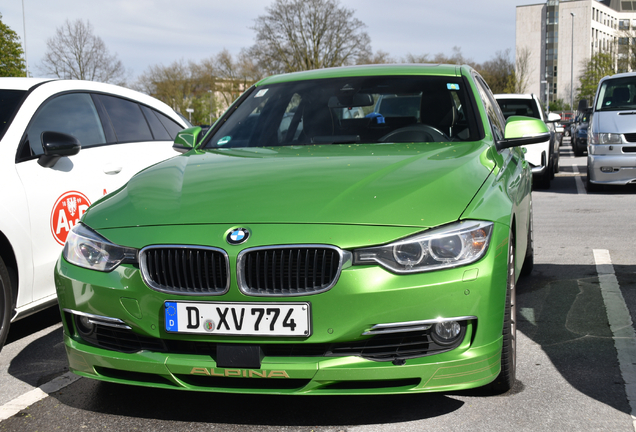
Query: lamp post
{"points": [[26, 61], [572, 69]]}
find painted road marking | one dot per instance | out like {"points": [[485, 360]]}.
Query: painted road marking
{"points": [[580, 189], [621, 324], [13, 407]]}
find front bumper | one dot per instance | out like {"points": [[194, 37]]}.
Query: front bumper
{"points": [[364, 296], [612, 166]]}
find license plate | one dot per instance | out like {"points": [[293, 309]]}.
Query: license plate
{"points": [[239, 319]]}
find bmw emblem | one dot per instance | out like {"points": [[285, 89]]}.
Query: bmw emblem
{"points": [[237, 236]]}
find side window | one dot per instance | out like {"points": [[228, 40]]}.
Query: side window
{"points": [[73, 114], [171, 126], [158, 130], [127, 119], [497, 122]]}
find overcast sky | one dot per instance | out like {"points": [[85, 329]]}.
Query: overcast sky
{"points": [[149, 32]]}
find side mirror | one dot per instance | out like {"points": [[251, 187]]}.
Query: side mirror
{"points": [[521, 130], [187, 139], [57, 145], [553, 117], [583, 105]]}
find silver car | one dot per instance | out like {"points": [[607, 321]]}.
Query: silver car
{"points": [[611, 149]]}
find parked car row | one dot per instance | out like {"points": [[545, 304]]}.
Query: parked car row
{"points": [[268, 250]]}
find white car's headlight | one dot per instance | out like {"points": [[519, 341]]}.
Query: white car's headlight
{"points": [[85, 248], [604, 138], [449, 246]]}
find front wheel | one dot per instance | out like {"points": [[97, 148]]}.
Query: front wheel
{"points": [[506, 378], [5, 303]]}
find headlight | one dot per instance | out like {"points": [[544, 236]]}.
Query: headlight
{"points": [[85, 248], [449, 246], [605, 138]]}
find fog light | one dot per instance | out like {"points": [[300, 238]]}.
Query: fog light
{"points": [[607, 169], [84, 326], [447, 332]]}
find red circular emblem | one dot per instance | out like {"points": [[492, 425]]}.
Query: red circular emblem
{"points": [[66, 213]]}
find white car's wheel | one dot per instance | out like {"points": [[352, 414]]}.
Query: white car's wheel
{"points": [[5, 302]]}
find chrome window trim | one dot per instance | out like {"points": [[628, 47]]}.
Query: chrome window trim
{"points": [[146, 278], [345, 261]]}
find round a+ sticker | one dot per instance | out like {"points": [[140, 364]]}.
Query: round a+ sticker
{"points": [[66, 213]]}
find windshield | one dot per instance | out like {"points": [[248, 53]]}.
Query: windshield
{"points": [[617, 94], [519, 107], [9, 103], [351, 110]]}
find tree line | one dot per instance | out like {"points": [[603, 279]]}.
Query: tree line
{"points": [[293, 35]]}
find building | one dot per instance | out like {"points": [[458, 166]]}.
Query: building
{"points": [[559, 37]]}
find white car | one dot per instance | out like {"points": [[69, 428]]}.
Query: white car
{"points": [[543, 157], [63, 145]]}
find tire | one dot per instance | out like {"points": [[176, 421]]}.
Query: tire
{"points": [[528, 262], [543, 181], [591, 187], [6, 303], [506, 378]]}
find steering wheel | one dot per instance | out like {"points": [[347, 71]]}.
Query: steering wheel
{"points": [[416, 133]]}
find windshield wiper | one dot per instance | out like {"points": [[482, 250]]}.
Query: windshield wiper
{"points": [[336, 139]]}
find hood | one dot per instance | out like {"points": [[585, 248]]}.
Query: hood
{"points": [[418, 185], [615, 121]]}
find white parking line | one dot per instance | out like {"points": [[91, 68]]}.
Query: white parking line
{"points": [[13, 407], [620, 322], [580, 189]]}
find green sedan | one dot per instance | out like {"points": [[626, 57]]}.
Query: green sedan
{"points": [[355, 230]]}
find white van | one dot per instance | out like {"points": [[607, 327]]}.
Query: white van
{"points": [[611, 147]]}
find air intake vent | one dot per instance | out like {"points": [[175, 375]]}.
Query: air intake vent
{"points": [[188, 270], [289, 270]]}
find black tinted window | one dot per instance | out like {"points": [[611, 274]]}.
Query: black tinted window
{"points": [[158, 130], [127, 119], [9, 102], [73, 114], [171, 126]]}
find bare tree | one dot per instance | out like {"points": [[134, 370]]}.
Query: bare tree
{"points": [[498, 72], [522, 70], [175, 84], [300, 35], [76, 53], [378, 57]]}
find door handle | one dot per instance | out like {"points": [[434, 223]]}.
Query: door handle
{"points": [[111, 169]]}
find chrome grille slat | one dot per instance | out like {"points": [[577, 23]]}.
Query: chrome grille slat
{"points": [[288, 270], [190, 270]]}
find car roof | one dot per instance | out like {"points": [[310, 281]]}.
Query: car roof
{"points": [[368, 70], [16, 83], [513, 96], [54, 86]]}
